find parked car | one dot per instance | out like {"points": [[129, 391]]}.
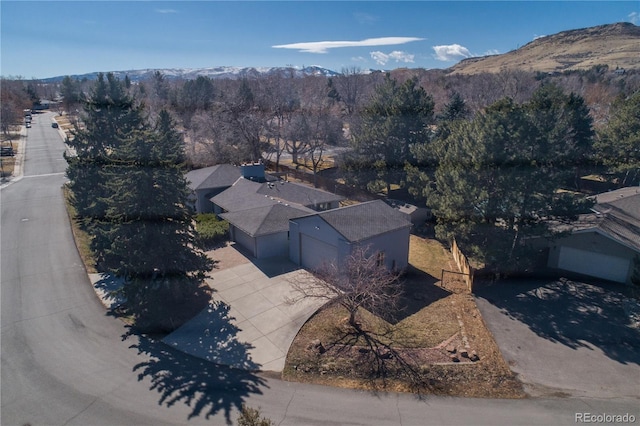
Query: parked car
{"points": [[54, 125], [6, 151], [28, 124]]}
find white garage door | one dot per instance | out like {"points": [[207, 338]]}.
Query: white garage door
{"points": [[313, 252], [594, 264]]}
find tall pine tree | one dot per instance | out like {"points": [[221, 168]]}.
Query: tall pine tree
{"points": [[148, 224], [128, 185], [396, 118], [498, 177]]}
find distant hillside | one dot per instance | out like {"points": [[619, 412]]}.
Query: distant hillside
{"points": [[614, 45], [212, 72]]}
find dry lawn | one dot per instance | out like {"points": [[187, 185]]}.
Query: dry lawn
{"points": [[81, 237], [407, 353]]}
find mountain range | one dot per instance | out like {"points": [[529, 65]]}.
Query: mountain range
{"points": [[212, 72], [614, 45]]}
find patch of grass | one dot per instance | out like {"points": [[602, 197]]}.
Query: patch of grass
{"points": [[81, 237], [8, 164], [429, 256]]}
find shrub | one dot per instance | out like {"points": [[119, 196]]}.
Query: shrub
{"points": [[211, 230], [251, 417]]}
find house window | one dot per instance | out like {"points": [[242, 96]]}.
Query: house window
{"points": [[380, 259]]}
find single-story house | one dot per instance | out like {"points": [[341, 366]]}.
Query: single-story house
{"points": [[329, 236], [208, 182], [255, 188], [603, 244]]}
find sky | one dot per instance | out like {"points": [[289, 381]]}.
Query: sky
{"points": [[41, 39]]}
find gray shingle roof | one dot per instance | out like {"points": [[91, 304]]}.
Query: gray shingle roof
{"points": [[242, 196], [265, 220], [219, 176], [620, 219], [365, 220], [297, 193]]}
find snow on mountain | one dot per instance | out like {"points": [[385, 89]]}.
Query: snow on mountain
{"points": [[212, 72]]}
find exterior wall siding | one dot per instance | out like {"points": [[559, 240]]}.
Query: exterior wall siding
{"points": [[394, 245], [203, 203]]}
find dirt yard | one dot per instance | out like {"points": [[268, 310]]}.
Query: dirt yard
{"points": [[438, 344]]}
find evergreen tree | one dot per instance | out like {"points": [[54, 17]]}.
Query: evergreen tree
{"points": [[498, 176], [149, 230], [618, 144], [420, 174], [128, 186], [108, 115], [396, 118]]}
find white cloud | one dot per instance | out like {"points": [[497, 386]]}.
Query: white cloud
{"points": [[358, 59], [491, 52], [398, 56], [634, 17], [166, 11], [535, 36], [324, 46], [451, 52]]}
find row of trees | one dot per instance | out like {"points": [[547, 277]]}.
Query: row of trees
{"points": [[497, 178], [220, 117], [129, 191]]}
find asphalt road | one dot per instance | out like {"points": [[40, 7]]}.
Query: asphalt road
{"points": [[65, 362]]}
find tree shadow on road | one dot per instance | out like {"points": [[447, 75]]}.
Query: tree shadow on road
{"points": [[575, 314], [205, 386]]}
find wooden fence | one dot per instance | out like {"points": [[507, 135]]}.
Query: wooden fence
{"points": [[463, 265]]}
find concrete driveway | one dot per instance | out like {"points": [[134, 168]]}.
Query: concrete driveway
{"points": [[564, 337], [250, 324]]}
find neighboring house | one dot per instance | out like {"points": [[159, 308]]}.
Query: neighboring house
{"points": [[418, 215], [329, 236], [208, 182], [603, 244]]}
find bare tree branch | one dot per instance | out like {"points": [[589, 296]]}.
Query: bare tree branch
{"points": [[359, 281]]}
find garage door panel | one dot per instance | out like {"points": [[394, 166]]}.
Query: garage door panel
{"points": [[594, 264], [245, 240], [313, 252]]}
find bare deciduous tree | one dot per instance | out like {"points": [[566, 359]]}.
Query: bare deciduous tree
{"points": [[361, 280]]}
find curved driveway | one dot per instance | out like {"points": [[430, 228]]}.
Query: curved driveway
{"points": [[65, 362]]}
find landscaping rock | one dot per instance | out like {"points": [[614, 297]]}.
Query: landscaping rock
{"points": [[451, 349], [474, 356], [464, 353], [316, 346], [454, 358]]}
